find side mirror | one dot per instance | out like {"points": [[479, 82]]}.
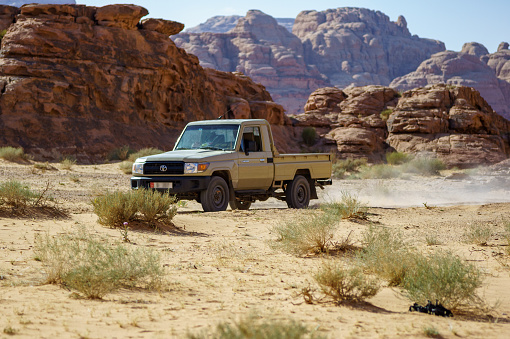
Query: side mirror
{"points": [[249, 146]]}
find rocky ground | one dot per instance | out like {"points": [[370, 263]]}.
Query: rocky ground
{"points": [[219, 266]]}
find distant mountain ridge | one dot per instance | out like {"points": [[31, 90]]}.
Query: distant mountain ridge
{"points": [[343, 47], [19, 3], [224, 23], [339, 47]]}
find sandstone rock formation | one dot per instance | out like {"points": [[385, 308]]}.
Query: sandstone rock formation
{"points": [[7, 14], [78, 80], [339, 47], [358, 46], [473, 66], [264, 51], [350, 120], [453, 123]]}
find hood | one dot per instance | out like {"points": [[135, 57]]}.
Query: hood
{"points": [[197, 155]]}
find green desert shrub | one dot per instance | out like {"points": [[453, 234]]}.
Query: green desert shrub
{"points": [[478, 233], [309, 134], [398, 158], [380, 172], [444, 277], [67, 163], [93, 267], [424, 166], [121, 153], [13, 154], [308, 234], [155, 206], [385, 114], [16, 195], [115, 208], [349, 207], [348, 166], [252, 327], [343, 284], [386, 254]]}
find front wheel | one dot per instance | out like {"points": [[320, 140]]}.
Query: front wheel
{"points": [[240, 205], [298, 192], [215, 197]]}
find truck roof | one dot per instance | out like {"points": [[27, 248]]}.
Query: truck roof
{"points": [[228, 122]]}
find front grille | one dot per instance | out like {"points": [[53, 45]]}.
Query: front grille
{"points": [[172, 167]]}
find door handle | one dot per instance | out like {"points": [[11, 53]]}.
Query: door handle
{"points": [[262, 160], [246, 160]]}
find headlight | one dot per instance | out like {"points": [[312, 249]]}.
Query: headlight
{"points": [[193, 167], [138, 168]]}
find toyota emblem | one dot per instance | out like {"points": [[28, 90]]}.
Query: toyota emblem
{"points": [[163, 168]]}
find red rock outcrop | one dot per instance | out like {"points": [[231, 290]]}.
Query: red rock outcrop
{"points": [[350, 119], [472, 67], [78, 80], [7, 14], [453, 123]]}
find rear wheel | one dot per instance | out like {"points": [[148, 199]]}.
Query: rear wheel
{"points": [[215, 197], [298, 192], [240, 205]]}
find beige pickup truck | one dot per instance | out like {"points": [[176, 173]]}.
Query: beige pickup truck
{"points": [[222, 162]]}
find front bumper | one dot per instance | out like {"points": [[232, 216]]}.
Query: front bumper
{"points": [[181, 185]]}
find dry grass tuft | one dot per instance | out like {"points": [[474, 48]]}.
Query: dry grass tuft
{"points": [[95, 268], [386, 254], [306, 235], [478, 233], [14, 154], [67, 163], [349, 207], [116, 208], [444, 277], [345, 285]]}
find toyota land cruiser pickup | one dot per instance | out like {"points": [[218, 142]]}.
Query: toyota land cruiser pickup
{"points": [[222, 162]]}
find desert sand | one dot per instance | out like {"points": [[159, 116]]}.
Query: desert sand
{"points": [[219, 266]]}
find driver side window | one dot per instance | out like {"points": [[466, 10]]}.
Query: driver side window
{"points": [[251, 140]]}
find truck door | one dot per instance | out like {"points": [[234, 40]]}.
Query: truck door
{"points": [[255, 170]]}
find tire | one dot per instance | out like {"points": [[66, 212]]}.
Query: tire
{"points": [[215, 197], [298, 192], [240, 205]]}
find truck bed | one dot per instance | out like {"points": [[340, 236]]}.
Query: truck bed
{"points": [[318, 165]]}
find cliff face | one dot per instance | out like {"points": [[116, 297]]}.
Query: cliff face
{"points": [[473, 67], [339, 47], [83, 80], [453, 123]]}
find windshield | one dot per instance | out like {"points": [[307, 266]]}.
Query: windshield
{"points": [[213, 137]]}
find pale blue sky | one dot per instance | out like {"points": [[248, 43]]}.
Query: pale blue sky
{"points": [[452, 21]]}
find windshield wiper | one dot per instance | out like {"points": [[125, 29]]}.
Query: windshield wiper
{"points": [[212, 148]]}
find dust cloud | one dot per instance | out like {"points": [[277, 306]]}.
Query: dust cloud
{"points": [[420, 191]]}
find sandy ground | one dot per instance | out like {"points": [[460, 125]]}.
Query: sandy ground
{"points": [[219, 266]]}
